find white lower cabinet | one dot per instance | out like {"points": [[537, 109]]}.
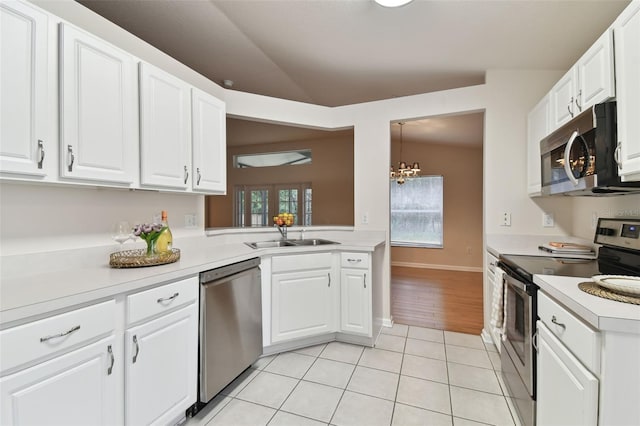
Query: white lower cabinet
{"points": [[304, 291], [355, 293], [161, 353], [62, 370], [161, 368], [73, 369], [567, 391], [76, 388]]}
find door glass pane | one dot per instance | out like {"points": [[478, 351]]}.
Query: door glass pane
{"points": [[288, 202], [240, 211], [260, 207], [307, 207]]}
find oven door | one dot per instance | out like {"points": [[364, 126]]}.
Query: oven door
{"points": [[520, 308]]}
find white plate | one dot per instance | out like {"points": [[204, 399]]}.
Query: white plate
{"points": [[621, 283]]}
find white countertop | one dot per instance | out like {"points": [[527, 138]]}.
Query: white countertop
{"points": [[527, 245], [31, 285], [600, 313]]}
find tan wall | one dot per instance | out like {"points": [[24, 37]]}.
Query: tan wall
{"points": [[330, 174], [462, 171]]}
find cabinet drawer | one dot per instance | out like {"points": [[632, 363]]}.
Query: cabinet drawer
{"points": [[39, 339], [582, 340], [354, 260], [301, 261], [161, 299]]}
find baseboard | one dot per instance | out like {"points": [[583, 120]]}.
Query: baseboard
{"points": [[435, 266], [387, 322]]}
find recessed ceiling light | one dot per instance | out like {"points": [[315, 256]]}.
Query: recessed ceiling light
{"points": [[392, 3]]}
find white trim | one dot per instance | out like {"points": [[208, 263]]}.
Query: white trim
{"points": [[387, 322], [434, 266]]}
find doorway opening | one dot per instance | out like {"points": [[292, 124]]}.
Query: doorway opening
{"points": [[438, 285]]}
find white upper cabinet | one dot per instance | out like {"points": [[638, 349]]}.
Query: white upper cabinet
{"points": [[165, 129], [24, 138], [627, 35], [98, 117], [209, 143], [588, 82], [538, 126]]}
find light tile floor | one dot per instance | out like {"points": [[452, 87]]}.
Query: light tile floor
{"points": [[413, 376]]}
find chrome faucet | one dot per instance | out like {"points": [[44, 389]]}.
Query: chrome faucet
{"points": [[283, 231]]}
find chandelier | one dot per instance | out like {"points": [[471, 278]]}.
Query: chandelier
{"points": [[404, 171]]}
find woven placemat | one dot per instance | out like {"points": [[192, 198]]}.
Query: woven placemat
{"points": [[593, 288]]}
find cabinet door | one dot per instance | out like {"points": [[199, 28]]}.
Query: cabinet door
{"points": [[567, 393], [209, 143], [563, 107], [77, 388], [538, 127], [595, 73], [302, 304], [165, 131], [23, 89], [99, 135], [627, 47], [355, 301], [161, 362]]}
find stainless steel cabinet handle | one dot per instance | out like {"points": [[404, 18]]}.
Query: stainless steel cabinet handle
{"points": [[167, 299], [365, 280], [329, 275], [41, 153], [135, 342], [616, 155], [70, 157], [559, 324], [186, 175], [113, 359], [578, 100], [199, 176], [569, 107], [66, 333], [534, 341], [354, 260]]}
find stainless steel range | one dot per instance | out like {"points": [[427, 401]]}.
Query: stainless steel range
{"points": [[618, 255]]}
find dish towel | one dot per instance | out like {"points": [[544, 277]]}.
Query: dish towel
{"points": [[498, 303]]}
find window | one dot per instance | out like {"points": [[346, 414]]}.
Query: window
{"points": [[256, 205], [416, 212], [271, 159]]}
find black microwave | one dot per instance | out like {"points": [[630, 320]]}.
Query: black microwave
{"points": [[580, 157]]}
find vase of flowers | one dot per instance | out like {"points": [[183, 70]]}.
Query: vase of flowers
{"points": [[150, 233]]}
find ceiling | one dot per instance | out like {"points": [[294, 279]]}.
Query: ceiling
{"points": [[339, 52]]}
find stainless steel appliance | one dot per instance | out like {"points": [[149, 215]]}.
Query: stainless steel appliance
{"points": [[230, 326], [619, 255], [581, 157]]}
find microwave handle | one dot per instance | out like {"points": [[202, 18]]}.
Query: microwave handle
{"points": [[567, 152]]}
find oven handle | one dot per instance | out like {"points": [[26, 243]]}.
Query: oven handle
{"points": [[567, 152], [534, 341], [518, 285]]}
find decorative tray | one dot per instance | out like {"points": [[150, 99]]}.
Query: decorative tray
{"points": [[619, 283], [139, 258]]}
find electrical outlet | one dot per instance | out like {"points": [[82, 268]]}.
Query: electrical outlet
{"points": [[469, 250], [190, 220], [505, 219], [365, 218], [547, 220]]}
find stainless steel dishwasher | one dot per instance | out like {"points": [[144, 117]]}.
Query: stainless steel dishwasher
{"points": [[230, 324]]}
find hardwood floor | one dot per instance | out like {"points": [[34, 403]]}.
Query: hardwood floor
{"points": [[445, 300]]}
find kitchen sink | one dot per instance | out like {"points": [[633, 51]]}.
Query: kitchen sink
{"points": [[290, 243], [270, 244], [313, 242]]}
